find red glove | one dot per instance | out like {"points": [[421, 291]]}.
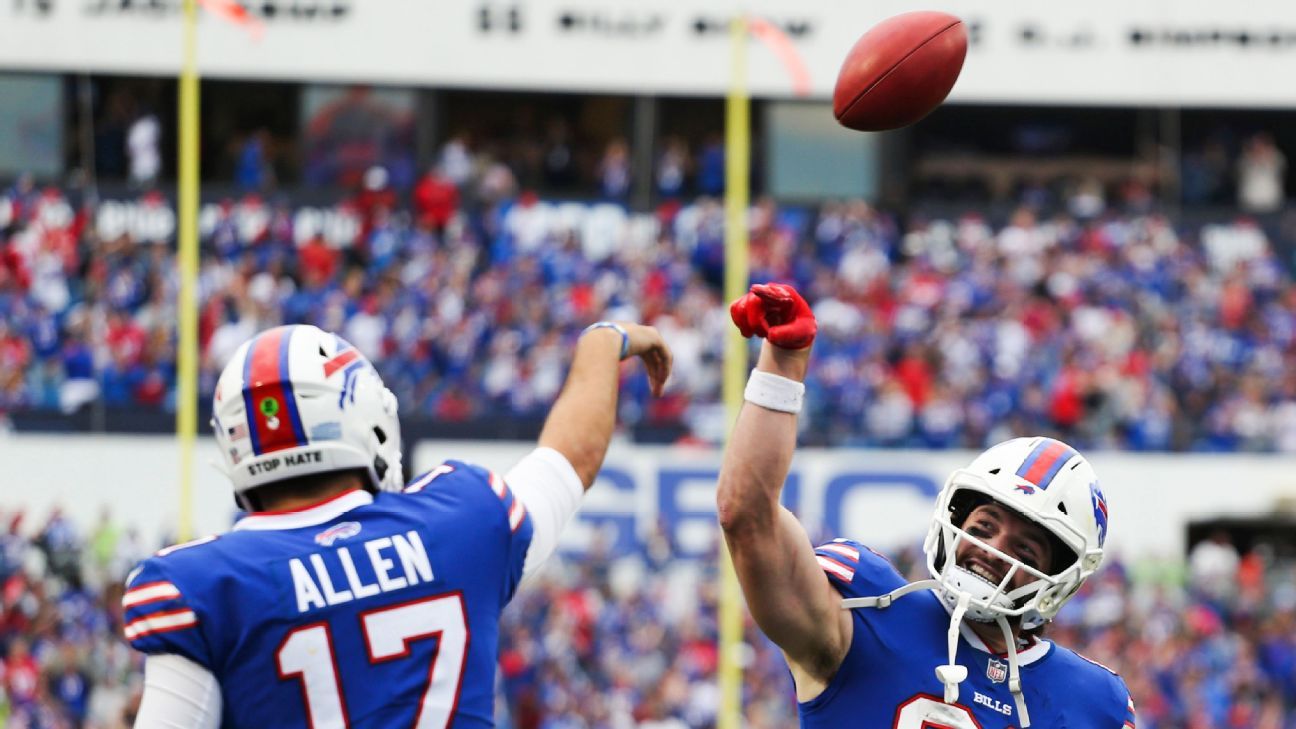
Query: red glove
{"points": [[775, 312]]}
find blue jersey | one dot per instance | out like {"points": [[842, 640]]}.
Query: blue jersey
{"points": [[364, 611], [888, 677]]}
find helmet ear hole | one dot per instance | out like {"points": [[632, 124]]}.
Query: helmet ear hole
{"points": [[382, 436], [1062, 507]]}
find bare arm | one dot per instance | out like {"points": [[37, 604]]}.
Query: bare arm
{"points": [[581, 421], [786, 590]]}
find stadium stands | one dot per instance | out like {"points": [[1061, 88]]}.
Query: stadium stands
{"points": [[1114, 329]]}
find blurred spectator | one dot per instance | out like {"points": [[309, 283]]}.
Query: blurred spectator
{"points": [[436, 199], [559, 163], [711, 167], [1204, 173], [614, 171], [672, 168], [1213, 567], [456, 160], [1260, 172], [142, 142], [252, 170]]}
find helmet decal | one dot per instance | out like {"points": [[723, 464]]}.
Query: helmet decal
{"points": [[1099, 510], [324, 408], [341, 359], [349, 383], [1044, 462], [268, 390]]}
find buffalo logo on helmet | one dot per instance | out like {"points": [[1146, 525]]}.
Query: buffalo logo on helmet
{"points": [[1099, 510]]}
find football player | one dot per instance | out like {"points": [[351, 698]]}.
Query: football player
{"points": [[346, 598], [1014, 536]]}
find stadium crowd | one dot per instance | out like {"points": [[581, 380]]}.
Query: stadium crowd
{"points": [[1111, 328], [613, 641]]}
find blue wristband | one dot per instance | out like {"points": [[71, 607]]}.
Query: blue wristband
{"points": [[625, 336]]}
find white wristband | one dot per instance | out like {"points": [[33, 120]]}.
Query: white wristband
{"points": [[774, 392]]}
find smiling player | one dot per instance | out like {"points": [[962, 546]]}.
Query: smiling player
{"points": [[1014, 536]]}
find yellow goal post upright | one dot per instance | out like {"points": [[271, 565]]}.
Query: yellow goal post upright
{"points": [[187, 241], [737, 180], [187, 258], [736, 203]]}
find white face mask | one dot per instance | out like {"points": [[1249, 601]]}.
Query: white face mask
{"points": [[988, 600]]}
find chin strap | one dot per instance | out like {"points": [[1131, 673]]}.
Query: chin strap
{"points": [[882, 602], [1014, 675], [952, 674]]}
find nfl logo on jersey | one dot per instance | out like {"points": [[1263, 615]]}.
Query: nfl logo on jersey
{"points": [[996, 671]]}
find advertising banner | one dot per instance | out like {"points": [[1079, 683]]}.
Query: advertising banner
{"points": [[1143, 52], [882, 498]]}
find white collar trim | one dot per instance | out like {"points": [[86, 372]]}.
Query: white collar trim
{"points": [[1025, 656], [310, 516]]}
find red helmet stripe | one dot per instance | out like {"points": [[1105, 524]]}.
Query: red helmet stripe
{"points": [[268, 395], [1045, 461]]}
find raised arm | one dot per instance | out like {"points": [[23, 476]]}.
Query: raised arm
{"points": [[786, 590], [551, 480], [581, 421]]}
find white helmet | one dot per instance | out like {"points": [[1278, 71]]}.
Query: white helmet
{"points": [[296, 400], [1045, 481]]}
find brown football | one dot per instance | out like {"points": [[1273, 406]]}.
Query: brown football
{"points": [[899, 71]]}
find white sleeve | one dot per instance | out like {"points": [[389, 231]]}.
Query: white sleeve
{"points": [[551, 491], [178, 694]]}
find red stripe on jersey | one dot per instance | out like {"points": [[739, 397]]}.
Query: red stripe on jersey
{"points": [[841, 549], [148, 593], [516, 513], [339, 361], [1041, 466], [835, 568], [160, 623], [263, 382]]}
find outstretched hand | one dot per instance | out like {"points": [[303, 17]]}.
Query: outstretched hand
{"points": [[777, 313], [647, 344]]}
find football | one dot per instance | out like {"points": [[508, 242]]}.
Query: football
{"points": [[899, 71]]}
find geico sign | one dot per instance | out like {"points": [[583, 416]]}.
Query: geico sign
{"points": [[682, 502]]}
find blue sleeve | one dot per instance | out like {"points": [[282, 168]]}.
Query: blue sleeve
{"points": [[1096, 689], [482, 491], [158, 618], [856, 570], [1121, 703]]}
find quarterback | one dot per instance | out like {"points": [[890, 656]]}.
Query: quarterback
{"points": [[346, 598], [1014, 535]]}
